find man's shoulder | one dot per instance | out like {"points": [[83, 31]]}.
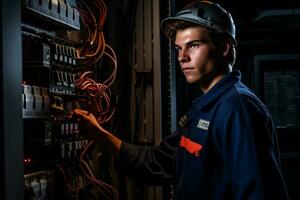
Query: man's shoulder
{"points": [[233, 97], [239, 93], [240, 97]]}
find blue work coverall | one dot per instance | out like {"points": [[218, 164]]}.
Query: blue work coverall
{"points": [[228, 150]]}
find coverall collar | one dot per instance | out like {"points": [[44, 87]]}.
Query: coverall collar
{"points": [[214, 93]]}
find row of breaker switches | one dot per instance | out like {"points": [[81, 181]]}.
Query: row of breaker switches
{"points": [[62, 82], [41, 54], [66, 131], [35, 101], [64, 54], [72, 148], [39, 185], [60, 10]]}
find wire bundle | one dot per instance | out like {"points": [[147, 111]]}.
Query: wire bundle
{"points": [[99, 94], [92, 15], [92, 51], [70, 186], [106, 190], [94, 48]]}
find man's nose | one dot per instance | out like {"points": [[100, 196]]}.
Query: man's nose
{"points": [[183, 56]]}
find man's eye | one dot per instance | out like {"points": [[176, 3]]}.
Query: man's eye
{"points": [[194, 45], [177, 49]]}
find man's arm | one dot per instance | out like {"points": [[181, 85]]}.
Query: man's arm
{"points": [[149, 164], [249, 155], [93, 130]]}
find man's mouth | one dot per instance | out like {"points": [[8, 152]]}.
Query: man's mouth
{"points": [[187, 69]]}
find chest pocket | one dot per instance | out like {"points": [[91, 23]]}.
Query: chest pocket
{"points": [[193, 140]]}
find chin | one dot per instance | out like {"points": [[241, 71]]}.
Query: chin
{"points": [[192, 80]]}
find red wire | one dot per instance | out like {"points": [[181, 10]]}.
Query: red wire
{"points": [[84, 166]]}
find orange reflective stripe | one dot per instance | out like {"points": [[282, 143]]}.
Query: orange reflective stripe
{"points": [[190, 146]]}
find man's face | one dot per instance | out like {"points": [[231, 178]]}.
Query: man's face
{"points": [[195, 54]]}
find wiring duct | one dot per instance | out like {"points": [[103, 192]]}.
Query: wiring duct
{"points": [[92, 16]]}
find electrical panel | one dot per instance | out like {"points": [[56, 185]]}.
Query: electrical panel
{"points": [[64, 59]]}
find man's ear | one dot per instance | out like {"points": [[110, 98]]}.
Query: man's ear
{"points": [[226, 48]]}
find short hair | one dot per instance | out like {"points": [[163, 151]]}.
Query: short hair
{"points": [[218, 39]]}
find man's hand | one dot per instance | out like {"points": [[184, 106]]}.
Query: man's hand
{"points": [[87, 123], [94, 131]]}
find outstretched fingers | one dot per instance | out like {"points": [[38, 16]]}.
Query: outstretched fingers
{"points": [[78, 114]]}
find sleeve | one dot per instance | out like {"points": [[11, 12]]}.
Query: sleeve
{"points": [[239, 154], [249, 154], [151, 165]]}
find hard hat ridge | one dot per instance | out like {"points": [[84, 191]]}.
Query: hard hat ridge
{"points": [[207, 14]]}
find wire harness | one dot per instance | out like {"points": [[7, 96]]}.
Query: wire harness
{"points": [[91, 53]]}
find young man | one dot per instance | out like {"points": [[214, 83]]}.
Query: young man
{"points": [[227, 149]]}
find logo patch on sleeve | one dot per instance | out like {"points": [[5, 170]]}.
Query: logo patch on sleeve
{"points": [[190, 146], [203, 124]]}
